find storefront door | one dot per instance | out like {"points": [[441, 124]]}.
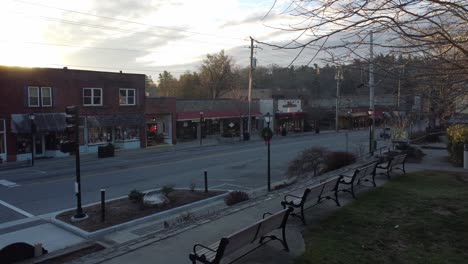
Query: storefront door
{"points": [[39, 145]]}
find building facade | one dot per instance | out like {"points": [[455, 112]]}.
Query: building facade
{"points": [[32, 119]]}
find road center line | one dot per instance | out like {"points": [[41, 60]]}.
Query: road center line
{"points": [[16, 209]]}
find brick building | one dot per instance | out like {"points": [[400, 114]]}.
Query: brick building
{"points": [[112, 109]]}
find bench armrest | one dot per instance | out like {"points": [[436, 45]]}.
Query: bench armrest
{"points": [[265, 214], [200, 245], [290, 195]]}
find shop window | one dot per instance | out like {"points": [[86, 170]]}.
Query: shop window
{"points": [[98, 135], [23, 143], [92, 96], [53, 140], [126, 133], [127, 96]]}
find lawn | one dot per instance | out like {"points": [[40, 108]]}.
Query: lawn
{"points": [[418, 218]]}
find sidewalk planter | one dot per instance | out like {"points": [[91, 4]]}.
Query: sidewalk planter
{"points": [[157, 216], [106, 151]]}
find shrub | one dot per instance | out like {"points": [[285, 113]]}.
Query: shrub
{"points": [[457, 137], [337, 159], [236, 197], [310, 160], [167, 189], [136, 196], [413, 153]]}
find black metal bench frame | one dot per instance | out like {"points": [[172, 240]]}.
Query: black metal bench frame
{"points": [[305, 197], [359, 176], [224, 242], [394, 163]]}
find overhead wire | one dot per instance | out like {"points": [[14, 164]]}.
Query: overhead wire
{"points": [[126, 21]]}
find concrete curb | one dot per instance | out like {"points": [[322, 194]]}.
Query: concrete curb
{"points": [[167, 213]]}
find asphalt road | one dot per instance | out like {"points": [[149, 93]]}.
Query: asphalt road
{"points": [[49, 186]]}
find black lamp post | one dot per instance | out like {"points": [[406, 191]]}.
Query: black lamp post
{"points": [[268, 120], [201, 132], [33, 130]]}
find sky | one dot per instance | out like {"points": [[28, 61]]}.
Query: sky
{"points": [[145, 37]]}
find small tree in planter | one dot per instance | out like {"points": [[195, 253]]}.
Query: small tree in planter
{"points": [[457, 137], [310, 160]]}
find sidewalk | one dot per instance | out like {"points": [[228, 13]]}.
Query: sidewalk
{"points": [[210, 141]]}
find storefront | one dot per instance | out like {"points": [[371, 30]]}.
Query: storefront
{"points": [[158, 129], [224, 123], [121, 130], [289, 116], [40, 133]]}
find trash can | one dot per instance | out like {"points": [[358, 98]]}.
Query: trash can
{"points": [[106, 151], [246, 136]]}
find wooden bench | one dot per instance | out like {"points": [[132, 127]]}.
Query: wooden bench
{"points": [[316, 194], [394, 163], [361, 174], [258, 231]]}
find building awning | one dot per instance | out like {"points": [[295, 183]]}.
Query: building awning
{"points": [[290, 115], [45, 122], [183, 116], [115, 120]]}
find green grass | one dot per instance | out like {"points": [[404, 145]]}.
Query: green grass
{"points": [[418, 218]]}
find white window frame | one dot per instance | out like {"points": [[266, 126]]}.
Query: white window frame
{"points": [[126, 96], [38, 96], [42, 96], [92, 96]]}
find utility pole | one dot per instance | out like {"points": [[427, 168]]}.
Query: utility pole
{"points": [[250, 85], [338, 78], [371, 94]]}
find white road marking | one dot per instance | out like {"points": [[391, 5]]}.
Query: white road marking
{"points": [[8, 183], [16, 209]]}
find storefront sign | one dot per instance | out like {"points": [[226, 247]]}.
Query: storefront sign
{"points": [[289, 106]]}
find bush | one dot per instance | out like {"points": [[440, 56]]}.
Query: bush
{"points": [[284, 184], [167, 189], [136, 196], [236, 197], [338, 159], [413, 153], [310, 160], [457, 137]]}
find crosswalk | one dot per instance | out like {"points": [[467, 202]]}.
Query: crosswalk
{"points": [[8, 184]]}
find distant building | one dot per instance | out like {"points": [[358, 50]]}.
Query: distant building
{"points": [[112, 107]]}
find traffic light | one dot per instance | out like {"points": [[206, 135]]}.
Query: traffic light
{"points": [[72, 120]]}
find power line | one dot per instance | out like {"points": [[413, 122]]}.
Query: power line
{"points": [[126, 21], [117, 29], [77, 46]]}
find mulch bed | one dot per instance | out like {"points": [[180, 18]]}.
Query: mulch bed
{"points": [[124, 210]]}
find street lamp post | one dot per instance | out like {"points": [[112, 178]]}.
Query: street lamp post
{"points": [[33, 128], [201, 132], [268, 121]]}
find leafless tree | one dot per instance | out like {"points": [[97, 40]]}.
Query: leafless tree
{"points": [[409, 26]]}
